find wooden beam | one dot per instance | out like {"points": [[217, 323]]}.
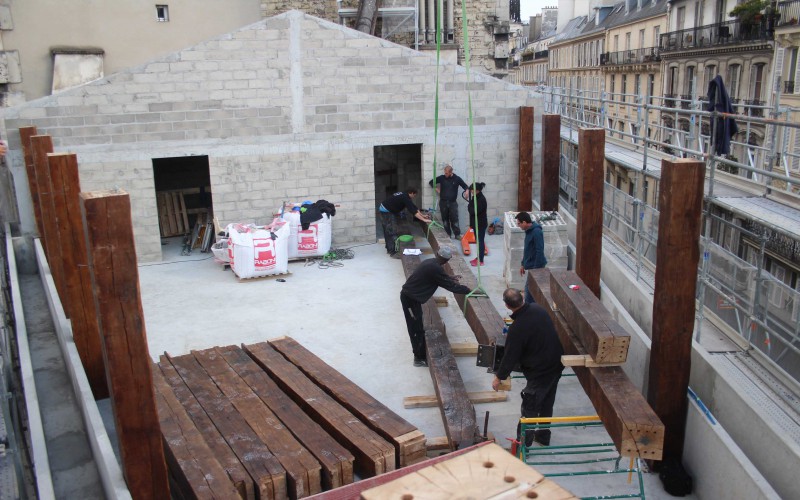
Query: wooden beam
{"points": [[583, 360], [336, 461], [605, 341], [259, 462], [234, 469], [458, 413], [680, 204], [78, 300], [408, 441], [437, 444], [194, 466], [372, 453], [303, 475], [633, 426], [464, 348], [589, 231], [551, 160], [41, 145], [440, 301], [475, 397], [525, 184], [484, 473], [25, 134], [115, 281]]}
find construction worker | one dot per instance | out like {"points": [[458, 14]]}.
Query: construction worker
{"points": [[447, 187], [533, 252], [391, 210], [532, 343], [418, 289]]}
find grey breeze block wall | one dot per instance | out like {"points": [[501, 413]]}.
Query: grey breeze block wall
{"points": [[288, 108]]}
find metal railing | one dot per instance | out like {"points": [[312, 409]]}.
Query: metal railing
{"points": [[788, 85], [715, 35], [637, 56], [760, 310], [788, 13]]}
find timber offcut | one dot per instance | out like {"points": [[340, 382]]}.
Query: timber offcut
{"points": [[237, 421]]}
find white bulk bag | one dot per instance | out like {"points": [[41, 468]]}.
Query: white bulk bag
{"points": [[256, 251], [314, 241]]}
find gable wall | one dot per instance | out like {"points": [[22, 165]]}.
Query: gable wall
{"points": [[286, 109]]}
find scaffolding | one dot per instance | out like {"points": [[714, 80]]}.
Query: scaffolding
{"points": [[751, 223]]}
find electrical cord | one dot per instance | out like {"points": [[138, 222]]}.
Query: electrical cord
{"points": [[333, 258]]}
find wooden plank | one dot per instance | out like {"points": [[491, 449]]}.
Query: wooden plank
{"points": [[525, 181], [25, 134], [182, 209], [464, 348], [680, 204], [437, 444], [589, 230], [115, 281], [633, 426], [336, 461], [551, 160], [41, 146], [259, 462], [474, 397], [372, 412], [192, 463], [78, 300], [485, 473], [582, 360], [373, 455], [440, 301], [234, 469], [302, 469], [605, 341]]}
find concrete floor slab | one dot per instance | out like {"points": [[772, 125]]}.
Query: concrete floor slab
{"points": [[349, 316]]}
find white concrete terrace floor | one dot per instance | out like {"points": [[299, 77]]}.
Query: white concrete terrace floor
{"points": [[350, 317]]}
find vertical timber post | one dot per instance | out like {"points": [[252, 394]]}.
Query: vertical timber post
{"points": [[525, 185], [680, 204], [25, 134], [41, 146], [78, 300], [551, 156], [115, 279], [589, 231]]}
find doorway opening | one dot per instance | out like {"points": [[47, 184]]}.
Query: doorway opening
{"points": [[397, 168], [185, 208]]}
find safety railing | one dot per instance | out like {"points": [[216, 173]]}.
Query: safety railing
{"points": [[715, 35], [635, 56], [789, 13]]}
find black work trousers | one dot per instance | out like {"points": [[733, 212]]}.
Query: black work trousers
{"points": [[538, 398], [449, 210], [412, 310], [391, 229]]}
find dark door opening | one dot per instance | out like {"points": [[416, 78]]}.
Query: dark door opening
{"points": [[397, 168], [183, 195]]}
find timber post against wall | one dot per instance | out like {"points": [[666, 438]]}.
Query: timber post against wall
{"points": [[115, 279], [525, 185], [589, 232], [680, 205], [551, 156], [25, 134]]}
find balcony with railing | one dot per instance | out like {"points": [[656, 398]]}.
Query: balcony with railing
{"points": [[716, 35], [754, 107], [788, 13], [686, 101], [541, 54], [788, 87], [636, 56], [669, 100]]}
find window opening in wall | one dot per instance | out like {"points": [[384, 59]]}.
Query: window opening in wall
{"points": [[162, 13], [758, 77], [733, 80]]}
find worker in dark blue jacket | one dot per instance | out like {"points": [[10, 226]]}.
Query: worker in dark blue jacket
{"points": [[533, 252], [533, 344]]}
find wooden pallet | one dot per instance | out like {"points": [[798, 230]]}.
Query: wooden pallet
{"points": [[172, 215], [259, 278]]}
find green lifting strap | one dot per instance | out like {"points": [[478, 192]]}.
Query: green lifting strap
{"points": [[436, 118]]}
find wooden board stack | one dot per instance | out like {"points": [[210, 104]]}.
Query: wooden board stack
{"points": [[239, 420]]}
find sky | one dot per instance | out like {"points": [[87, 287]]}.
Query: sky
{"points": [[528, 8]]}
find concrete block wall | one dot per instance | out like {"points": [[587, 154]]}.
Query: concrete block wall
{"points": [[287, 108]]}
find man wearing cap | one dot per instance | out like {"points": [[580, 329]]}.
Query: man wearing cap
{"points": [[418, 289], [447, 187]]}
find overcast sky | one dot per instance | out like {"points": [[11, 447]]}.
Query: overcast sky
{"points": [[528, 8]]}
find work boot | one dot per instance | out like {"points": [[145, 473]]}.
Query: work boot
{"points": [[420, 362]]}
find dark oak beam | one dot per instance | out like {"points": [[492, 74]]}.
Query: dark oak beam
{"points": [[551, 160], [525, 184], [589, 230]]}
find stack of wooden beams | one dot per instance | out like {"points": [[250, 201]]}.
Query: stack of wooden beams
{"points": [[240, 421], [630, 421]]}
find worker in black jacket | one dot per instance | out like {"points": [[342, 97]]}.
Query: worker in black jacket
{"points": [[391, 210], [418, 289], [532, 343]]}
